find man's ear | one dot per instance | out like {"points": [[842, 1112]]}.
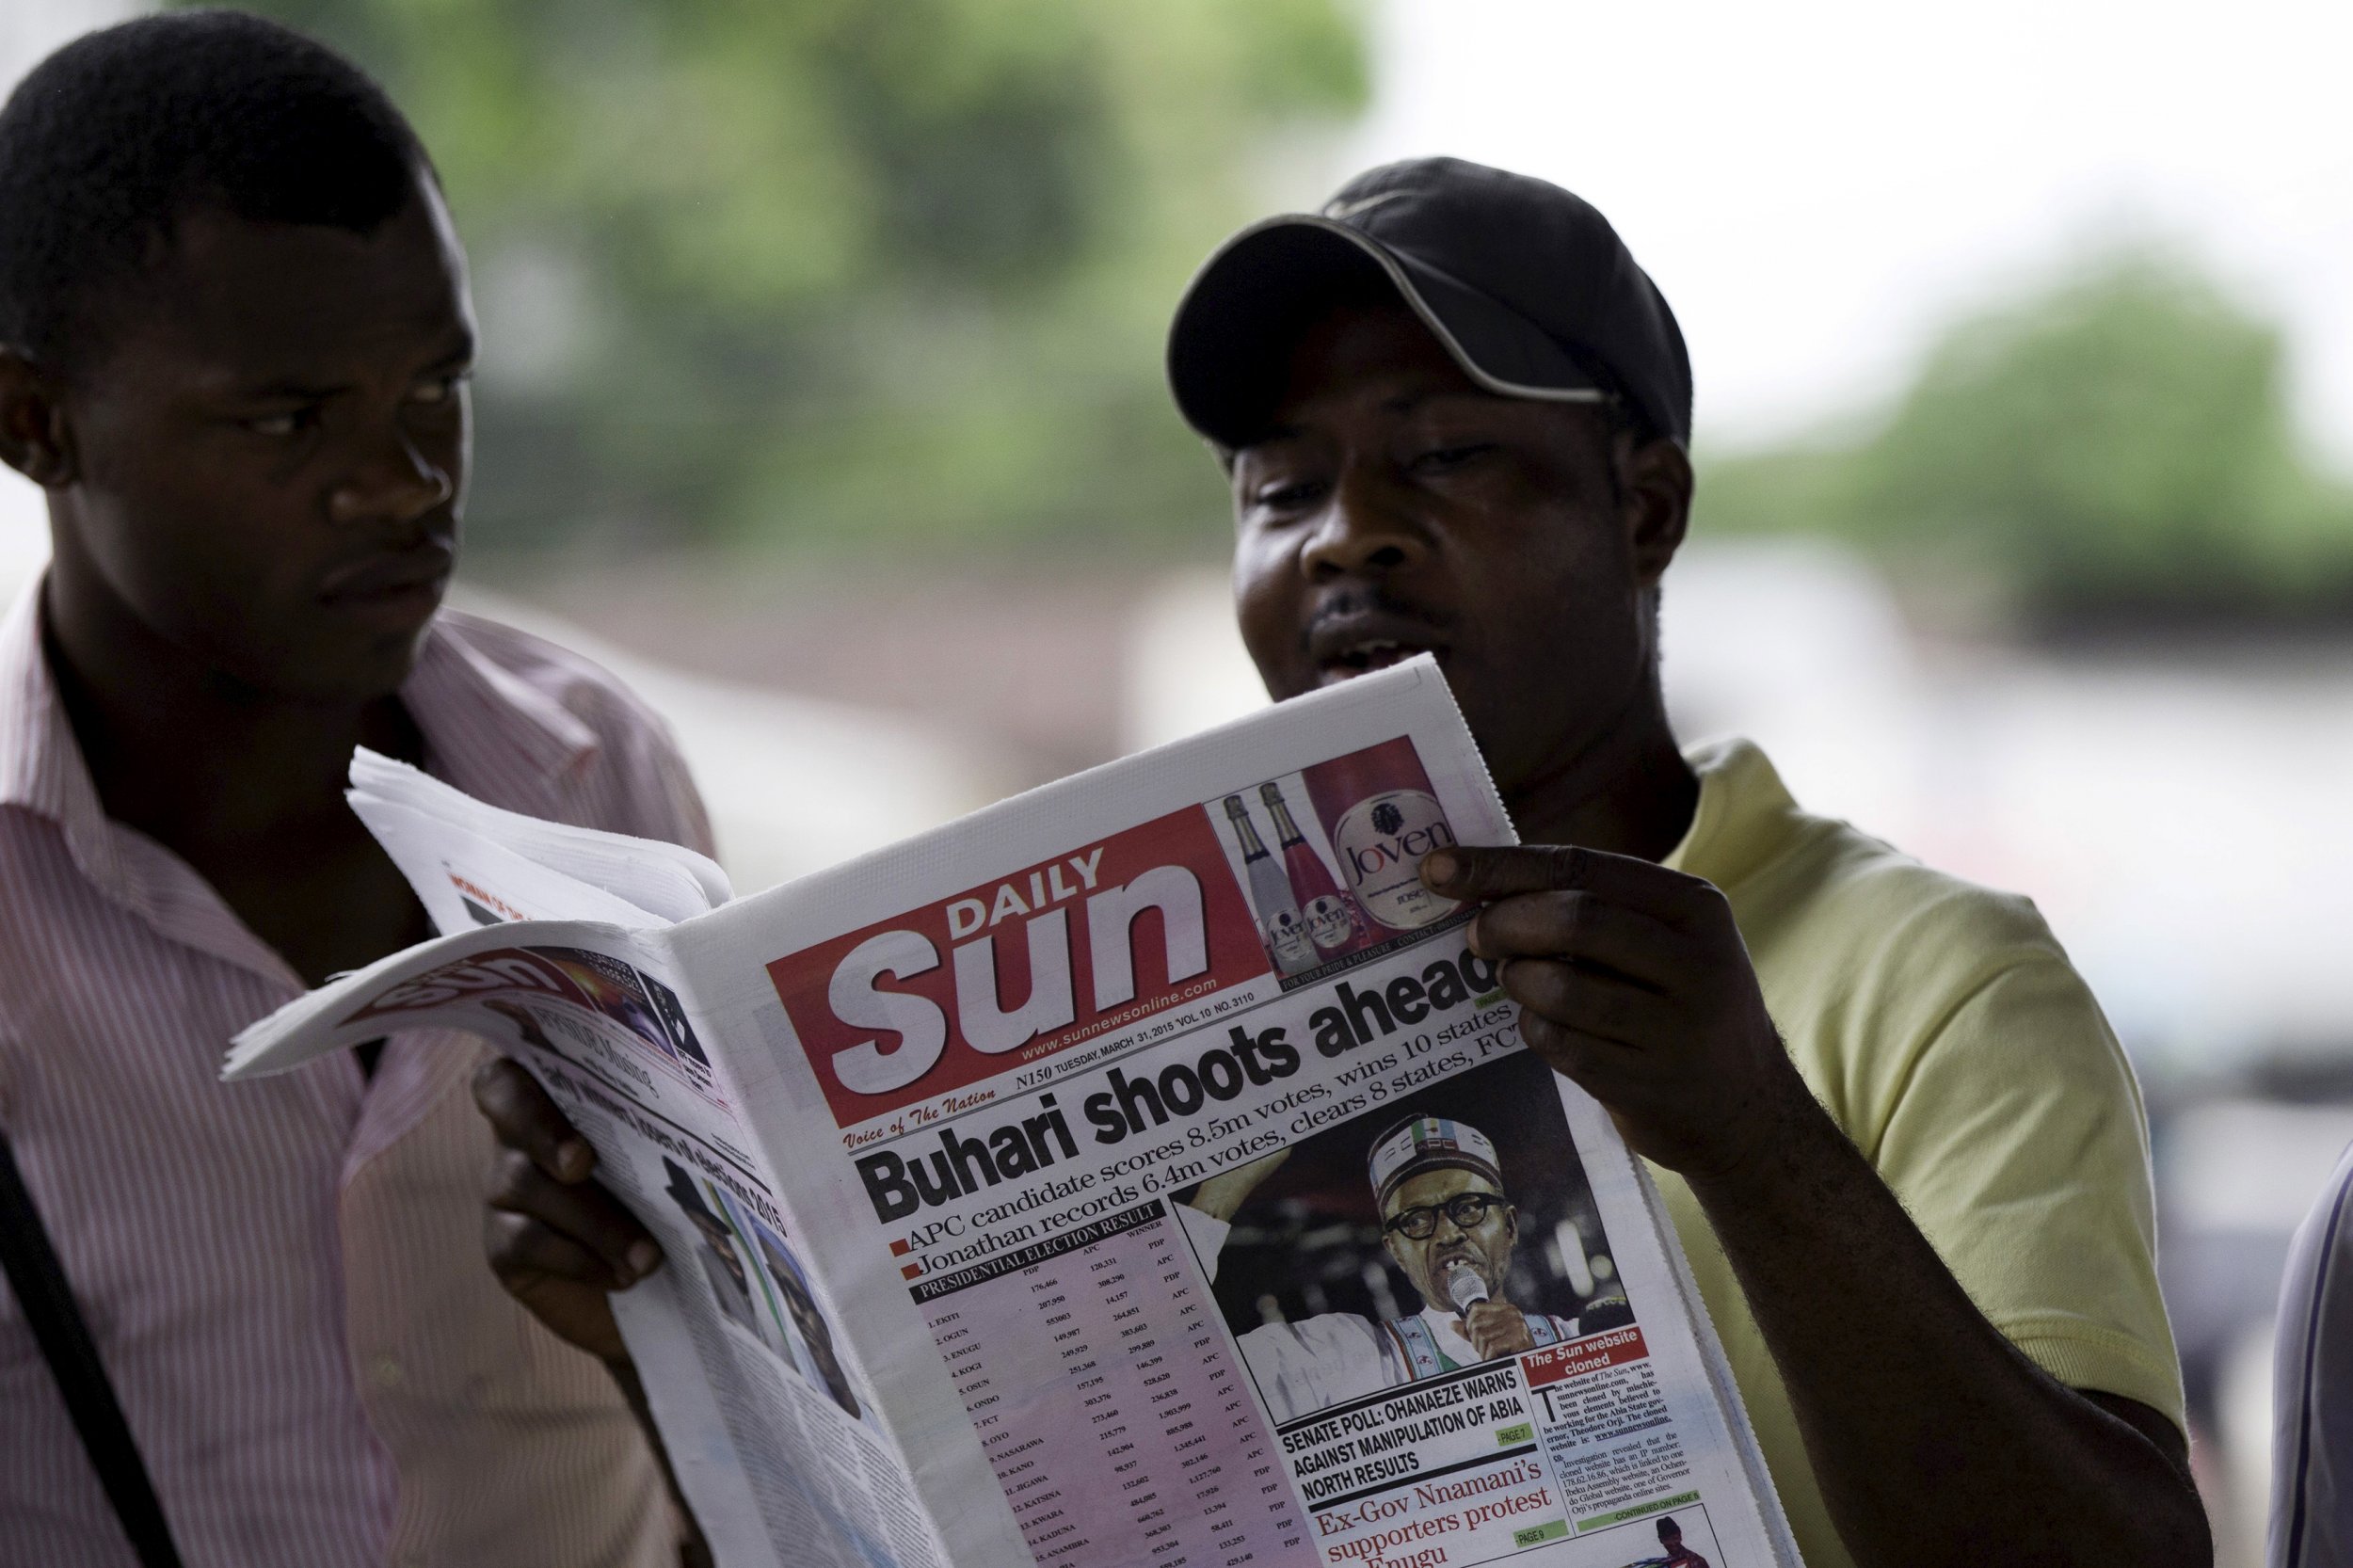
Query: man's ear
{"points": [[1656, 490], [35, 438]]}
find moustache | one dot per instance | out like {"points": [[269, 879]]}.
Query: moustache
{"points": [[1357, 602]]}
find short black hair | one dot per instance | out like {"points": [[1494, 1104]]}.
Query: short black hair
{"points": [[114, 139]]}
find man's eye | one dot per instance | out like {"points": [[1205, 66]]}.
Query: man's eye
{"points": [[292, 421], [1439, 460], [441, 389], [1285, 495]]}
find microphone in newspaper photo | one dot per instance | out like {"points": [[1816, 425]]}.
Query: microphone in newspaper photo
{"points": [[1463, 1287]]}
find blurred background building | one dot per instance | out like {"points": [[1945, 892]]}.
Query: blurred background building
{"points": [[820, 378]]}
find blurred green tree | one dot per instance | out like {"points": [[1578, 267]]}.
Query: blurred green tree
{"points": [[841, 271], [2119, 441]]}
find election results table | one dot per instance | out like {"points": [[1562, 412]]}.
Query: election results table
{"points": [[1139, 1441]]}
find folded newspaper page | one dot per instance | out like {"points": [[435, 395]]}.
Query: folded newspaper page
{"points": [[1143, 1170]]}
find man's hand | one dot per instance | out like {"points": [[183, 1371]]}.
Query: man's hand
{"points": [[1633, 980], [1220, 1195], [1934, 1440], [1497, 1328], [557, 1239]]}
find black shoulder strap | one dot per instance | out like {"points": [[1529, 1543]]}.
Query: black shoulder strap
{"points": [[39, 1281]]}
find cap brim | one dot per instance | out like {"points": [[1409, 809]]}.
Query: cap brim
{"points": [[1234, 329]]}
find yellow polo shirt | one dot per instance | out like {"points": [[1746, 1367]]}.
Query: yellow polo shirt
{"points": [[1944, 1028]]}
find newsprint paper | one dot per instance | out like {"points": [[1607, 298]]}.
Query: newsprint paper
{"points": [[1112, 1178]]}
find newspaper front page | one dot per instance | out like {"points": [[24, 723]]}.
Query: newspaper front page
{"points": [[1142, 1171]]}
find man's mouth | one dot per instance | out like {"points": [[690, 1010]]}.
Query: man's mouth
{"points": [[1345, 646], [412, 574], [1378, 654]]}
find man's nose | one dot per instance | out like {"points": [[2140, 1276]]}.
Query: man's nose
{"points": [[394, 482], [1365, 529]]}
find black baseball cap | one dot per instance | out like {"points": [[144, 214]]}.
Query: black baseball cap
{"points": [[1529, 287]]}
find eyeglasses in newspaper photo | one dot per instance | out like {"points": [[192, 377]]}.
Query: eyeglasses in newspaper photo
{"points": [[1469, 1210]]}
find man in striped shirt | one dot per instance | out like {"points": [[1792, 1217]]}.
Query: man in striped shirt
{"points": [[235, 337]]}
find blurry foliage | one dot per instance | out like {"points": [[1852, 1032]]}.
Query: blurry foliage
{"points": [[2119, 443], [855, 271]]}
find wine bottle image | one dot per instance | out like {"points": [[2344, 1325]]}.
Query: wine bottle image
{"points": [[1280, 923], [1335, 924], [1382, 816]]}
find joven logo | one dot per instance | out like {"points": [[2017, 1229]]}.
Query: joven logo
{"points": [[965, 989], [1382, 816]]}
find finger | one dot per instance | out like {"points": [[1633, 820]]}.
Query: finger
{"points": [[1490, 1327], [1581, 926], [1609, 1007], [522, 1249], [581, 1315], [582, 1212], [1593, 1064], [1473, 872], [526, 1119]]}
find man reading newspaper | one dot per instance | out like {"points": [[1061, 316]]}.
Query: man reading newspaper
{"points": [[1904, 1151], [1901, 1145], [235, 341]]}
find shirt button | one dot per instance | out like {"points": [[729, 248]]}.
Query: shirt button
{"points": [[387, 1371]]}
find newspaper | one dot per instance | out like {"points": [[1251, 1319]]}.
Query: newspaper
{"points": [[1143, 1170]]}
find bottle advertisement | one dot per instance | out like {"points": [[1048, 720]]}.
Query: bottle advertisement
{"points": [[1331, 859]]}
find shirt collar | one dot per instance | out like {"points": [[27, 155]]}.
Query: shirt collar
{"points": [[1745, 815], [1448, 1328], [454, 693], [458, 692], [41, 769]]}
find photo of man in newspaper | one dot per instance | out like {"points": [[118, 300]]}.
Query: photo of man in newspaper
{"points": [[1672, 1553], [1373, 1262], [723, 1266], [816, 1357]]}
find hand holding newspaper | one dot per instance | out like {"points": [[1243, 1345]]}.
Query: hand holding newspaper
{"points": [[1143, 1170]]}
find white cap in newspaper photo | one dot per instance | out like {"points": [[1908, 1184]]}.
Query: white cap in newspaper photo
{"points": [[1430, 1144]]}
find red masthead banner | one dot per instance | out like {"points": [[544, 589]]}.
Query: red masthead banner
{"points": [[1021, 967]]}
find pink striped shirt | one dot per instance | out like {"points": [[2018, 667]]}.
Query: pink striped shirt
{"points": [[285, 1278]]}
